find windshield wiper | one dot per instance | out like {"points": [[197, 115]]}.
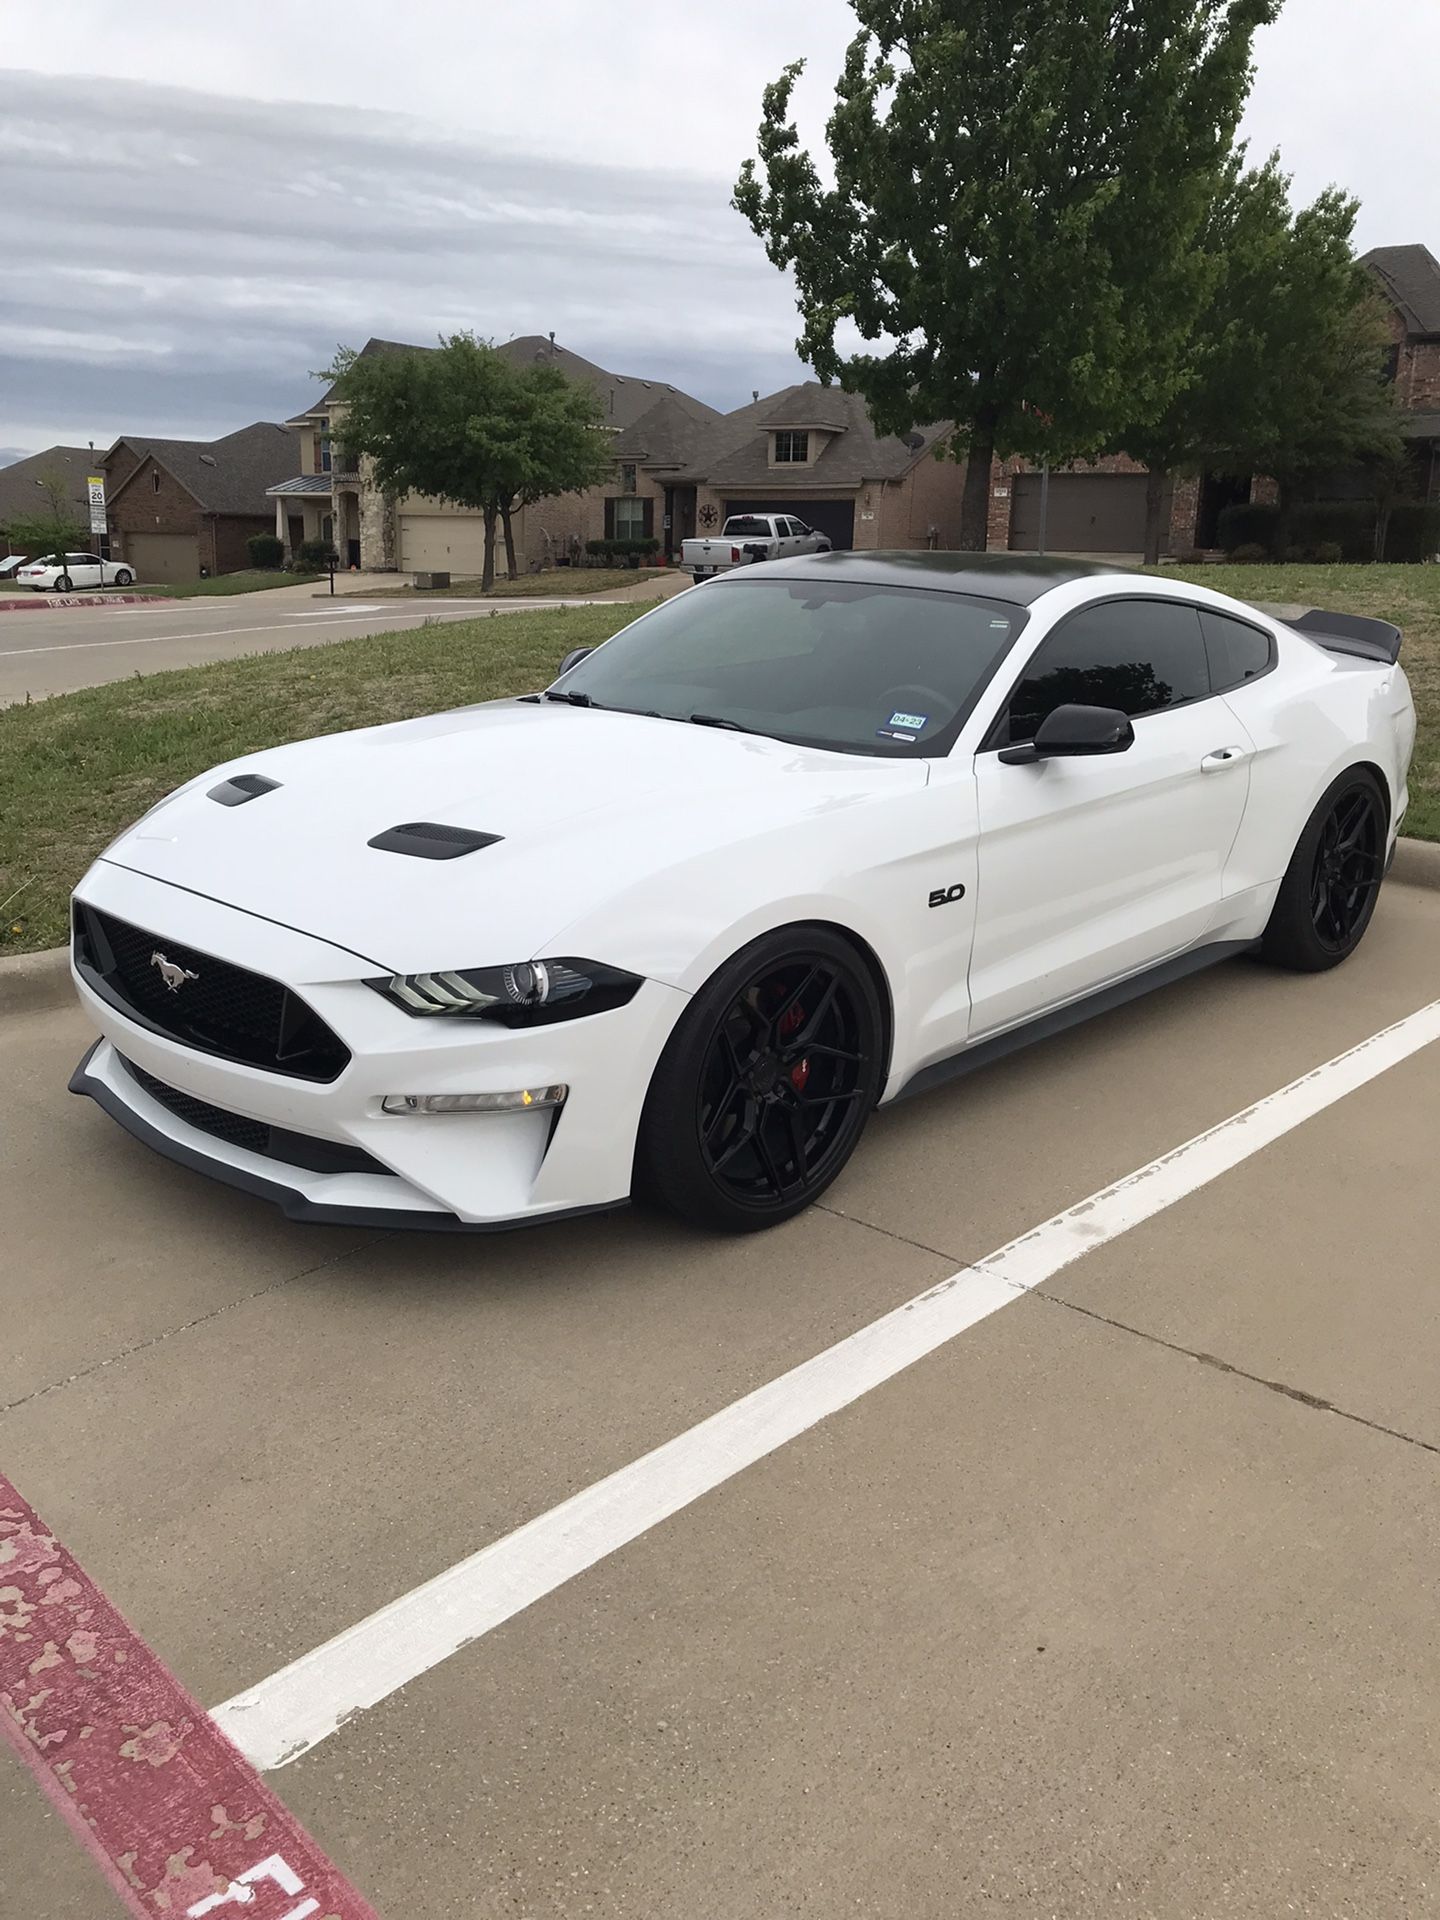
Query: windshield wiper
{"points": [[571, 699], [716, 720]]}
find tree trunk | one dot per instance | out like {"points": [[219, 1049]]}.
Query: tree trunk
{"points": [[510, 567], [975, 502], [1154, 515], [1284, 519], [487, 578]]}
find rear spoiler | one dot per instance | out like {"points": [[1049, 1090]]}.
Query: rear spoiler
{"points": [[1351, 633]]}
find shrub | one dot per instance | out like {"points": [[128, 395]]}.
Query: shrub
{"points": [[1250, 554], [1414, 531], [1348, 524], [1329, 553], [1246, 524], [649, 545], [595, 548], [316, 555], [266, 550]]}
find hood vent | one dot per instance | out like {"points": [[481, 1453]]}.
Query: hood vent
{"points": [[424, 840], [241, 787]]}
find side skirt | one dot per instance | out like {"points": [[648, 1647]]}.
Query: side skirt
{"points": [[1061, 1019]]}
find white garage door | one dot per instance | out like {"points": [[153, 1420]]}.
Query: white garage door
{"points": [[161, 557], [449, 542]]}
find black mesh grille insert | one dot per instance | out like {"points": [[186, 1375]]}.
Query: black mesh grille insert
{"points": [[209, 1004], [276, 1143]]}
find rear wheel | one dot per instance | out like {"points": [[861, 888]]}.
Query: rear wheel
{"points": [[124, 577], [1328, 895], [765, 1086], [64, 584]]}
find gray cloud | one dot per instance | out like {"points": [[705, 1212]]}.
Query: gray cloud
{"points": [[191, 259]]}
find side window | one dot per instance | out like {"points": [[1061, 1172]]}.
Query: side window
{"points": [[1138, 655], [1237, 653]]}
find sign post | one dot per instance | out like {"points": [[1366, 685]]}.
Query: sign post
{"points": [[99, 525]]}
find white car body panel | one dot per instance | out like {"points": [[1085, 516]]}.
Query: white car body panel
{"points": [[663, 849], [81, 573]]}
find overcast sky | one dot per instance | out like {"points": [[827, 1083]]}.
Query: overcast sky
{"points": [[203, 200]]}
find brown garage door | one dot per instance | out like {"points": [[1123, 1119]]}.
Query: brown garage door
{"points": [[1089, 513], [161, 557]]}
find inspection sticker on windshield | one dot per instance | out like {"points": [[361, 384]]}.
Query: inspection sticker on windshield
{"points": [[910, 722]]}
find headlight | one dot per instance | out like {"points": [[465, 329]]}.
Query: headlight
{"points": [[532, 993]]}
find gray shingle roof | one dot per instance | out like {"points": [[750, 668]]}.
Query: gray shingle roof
{"points": [[1410, 277], [230, 475], [19, 495], [734, 453], [626, 397]]}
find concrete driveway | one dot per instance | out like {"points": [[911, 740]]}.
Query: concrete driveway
{"points": [[1111, 1593], [58, 650]]}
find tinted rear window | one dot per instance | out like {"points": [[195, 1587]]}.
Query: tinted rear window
{"points": [[746, 527]]}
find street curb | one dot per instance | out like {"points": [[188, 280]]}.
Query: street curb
{"points": [[35, 980], [64, 602], [1417, 863], [32, 981]]}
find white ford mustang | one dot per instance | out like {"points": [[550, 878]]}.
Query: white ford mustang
{"points": [[800, 841]]}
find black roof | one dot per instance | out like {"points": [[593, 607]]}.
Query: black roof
{"points": [[1019, 578], [1411, 279]]}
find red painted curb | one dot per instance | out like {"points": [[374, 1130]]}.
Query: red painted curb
{"points": [[65, 601], [176, 1820]]}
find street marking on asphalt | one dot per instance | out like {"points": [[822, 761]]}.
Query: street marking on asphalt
{"points": [[293, 1710], [147, 1783], [211, 633], [333, 613]]}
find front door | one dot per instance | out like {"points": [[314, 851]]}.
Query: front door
{"points": [[1093, 869]]}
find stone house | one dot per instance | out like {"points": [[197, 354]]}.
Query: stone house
{"points": [[1409, 280], [179, 509]]}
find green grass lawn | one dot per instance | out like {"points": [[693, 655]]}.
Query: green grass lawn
{"points": [[1410, 596], [561, 583], [76, 769], [253, 580]]}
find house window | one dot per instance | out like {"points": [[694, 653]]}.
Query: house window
{"points": [[1390, 366], [323, 449], [154, 479], [627, 479], [630, 519], [792, 449]]}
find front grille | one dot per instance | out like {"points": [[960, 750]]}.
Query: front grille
{"points": [[276, 1143], [215, 1006]]}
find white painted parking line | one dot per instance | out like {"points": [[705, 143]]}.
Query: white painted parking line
{"points": [[291, 1712]]}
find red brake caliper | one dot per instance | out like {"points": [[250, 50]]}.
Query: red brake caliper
{"points": [[792, 1023]]}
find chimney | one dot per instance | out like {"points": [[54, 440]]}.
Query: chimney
{"points": [[755, 393], [552, 340]]}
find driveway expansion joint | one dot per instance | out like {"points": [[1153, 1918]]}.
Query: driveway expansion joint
{"points": [[870, 1226], [188, 1326], [1314, 1401]]}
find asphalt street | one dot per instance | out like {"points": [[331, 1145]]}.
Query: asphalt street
{"points": [[1117, 1601], [56, 650]]}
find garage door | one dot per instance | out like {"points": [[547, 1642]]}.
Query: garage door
{"points": [[448, 542], [834, 518], [161, 557], [1089, 513]]}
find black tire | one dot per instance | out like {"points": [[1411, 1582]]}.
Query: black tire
{"points": [[124, 577], [64, 584], [764, 1088], [1327, 898]]}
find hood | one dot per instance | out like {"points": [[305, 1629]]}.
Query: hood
{"points": [[585, 804]]}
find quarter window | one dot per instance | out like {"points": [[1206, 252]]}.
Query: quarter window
{"points": [[792, 449], [1237, 652], [1140, 656]]}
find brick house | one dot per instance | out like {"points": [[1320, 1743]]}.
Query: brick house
{"points": [[23, 494], [1409, 280], [182, 508], [679, 467]]}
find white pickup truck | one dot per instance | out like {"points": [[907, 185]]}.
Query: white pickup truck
{"points": [[748, 537]]}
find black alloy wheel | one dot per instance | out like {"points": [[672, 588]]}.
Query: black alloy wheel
{"points": [[1348, 869], [765, 1088], [1327, 898]]}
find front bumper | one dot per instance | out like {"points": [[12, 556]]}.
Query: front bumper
{"points": [[438, 1171]]}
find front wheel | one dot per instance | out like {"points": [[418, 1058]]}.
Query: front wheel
{"points": [[1328, 895], [764, 1088]]}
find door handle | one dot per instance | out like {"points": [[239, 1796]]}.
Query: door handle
{"points": [[1223, 757]]}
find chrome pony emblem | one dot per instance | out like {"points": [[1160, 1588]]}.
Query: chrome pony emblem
{"points": [[174, 976]]}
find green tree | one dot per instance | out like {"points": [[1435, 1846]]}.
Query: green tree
{"points": [[54, 526], [459, 423], [1018, 186], [1283, 364]]}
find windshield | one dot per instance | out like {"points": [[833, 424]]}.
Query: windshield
{"points": [[862, 669]]}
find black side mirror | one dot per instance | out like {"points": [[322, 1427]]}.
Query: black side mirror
{"points": [[573, 659], [1074, 732]]}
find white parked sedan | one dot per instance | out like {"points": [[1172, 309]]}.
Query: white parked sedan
{"points": [[816, 836], [65, 573]]}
